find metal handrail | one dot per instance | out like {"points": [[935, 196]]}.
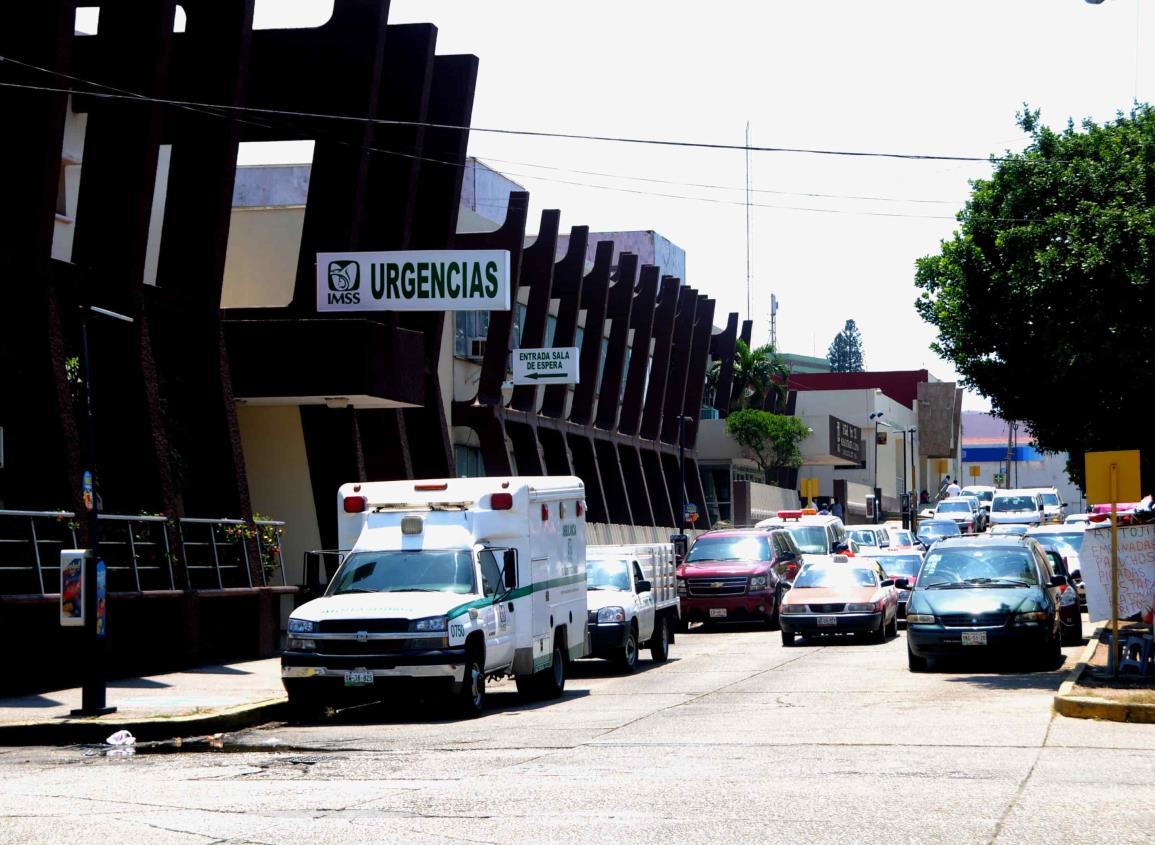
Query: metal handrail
{"points": [[135, 545]]}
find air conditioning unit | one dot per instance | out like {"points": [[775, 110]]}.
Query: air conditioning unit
{"points": [[475, 348]]}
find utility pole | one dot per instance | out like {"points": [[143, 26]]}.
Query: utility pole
{"points": [[748, 220], [93, 688]]}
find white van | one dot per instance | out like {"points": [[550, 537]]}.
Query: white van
{"points": [[1017, 507], [1054, 508], [447, 582]]}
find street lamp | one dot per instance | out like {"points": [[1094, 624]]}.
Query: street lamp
{"points": [[92, 701], [681, 520], [876, 418]]}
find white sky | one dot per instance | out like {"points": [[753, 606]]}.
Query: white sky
{"points": [[905, 76]]}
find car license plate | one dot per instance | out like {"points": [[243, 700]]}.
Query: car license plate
{"points": [[359, 678], [717, 611], [974, 637], [826, 621]]}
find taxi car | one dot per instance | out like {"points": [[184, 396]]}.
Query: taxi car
{"points": [[900, 563], [840, 596]]}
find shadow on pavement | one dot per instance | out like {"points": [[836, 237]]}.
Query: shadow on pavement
{"points": [[1002, 674], [597, 668]]}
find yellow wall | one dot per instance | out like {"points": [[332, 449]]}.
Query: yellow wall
{"points": [[279, 484], [261, 263]]}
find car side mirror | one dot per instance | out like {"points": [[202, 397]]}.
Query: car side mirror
{"points": [[786, 557], [1076, 575], [1058, 580], [839, 548], [785, 585], [902, 583], [643, 586], [509, 569], [889, 582]]}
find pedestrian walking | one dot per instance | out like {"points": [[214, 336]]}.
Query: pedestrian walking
{"points": [[837, 510], [952, 488]]}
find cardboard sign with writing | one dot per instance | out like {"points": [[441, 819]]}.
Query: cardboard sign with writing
{"points": [[1136, 570]]}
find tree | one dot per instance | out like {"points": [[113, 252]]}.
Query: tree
{"points": [[845, 353], [760, 378], [1043, 298], [771, 439]]}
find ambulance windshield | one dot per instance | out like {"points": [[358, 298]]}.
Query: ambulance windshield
{"points": [[422, 571]]}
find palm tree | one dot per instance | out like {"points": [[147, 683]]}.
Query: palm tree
{"points": [[760, 377]]}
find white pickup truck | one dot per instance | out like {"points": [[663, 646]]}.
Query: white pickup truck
{"points": [[633, 601], [448, 582]]}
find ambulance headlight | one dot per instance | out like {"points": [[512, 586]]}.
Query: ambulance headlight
{"points": [[609, 615], [433, 623], [302, 626]]}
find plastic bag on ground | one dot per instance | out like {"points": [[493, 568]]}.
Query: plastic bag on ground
{"points": [[121, 738]]}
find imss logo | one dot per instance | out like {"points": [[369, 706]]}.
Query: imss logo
{"points": [[344, 282]]}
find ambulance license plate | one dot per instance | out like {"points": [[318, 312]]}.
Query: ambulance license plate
{"points": [[974, 637], [359, 678], [827, 621], [717, 611]]}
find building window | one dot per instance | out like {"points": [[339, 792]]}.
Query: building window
{"points": [[470, 331], [469, 463]]}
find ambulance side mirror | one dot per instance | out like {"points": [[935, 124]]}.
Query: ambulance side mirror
{"points": [[509, 568]]}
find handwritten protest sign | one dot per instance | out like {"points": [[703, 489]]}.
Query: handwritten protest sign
{"points": [[1136, 570]]}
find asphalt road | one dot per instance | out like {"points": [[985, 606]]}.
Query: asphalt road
{"points": [[735, 739]]}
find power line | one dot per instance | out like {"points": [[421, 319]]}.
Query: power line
{"points": [[215, 111], [528, 133]]}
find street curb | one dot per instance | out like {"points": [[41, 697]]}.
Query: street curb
{"points": [[1084, 707], [86, 731]]}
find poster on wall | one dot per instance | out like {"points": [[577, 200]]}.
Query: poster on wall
{"points": [[1136, 571], [73, 563]]}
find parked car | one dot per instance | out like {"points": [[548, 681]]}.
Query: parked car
{"points": [[902, 563], [984, 517], [1017, 507], [1054, 508], [981, 492], [870, 538], [1078, 519], [1068, 539], [736, 574], [632, 601], [840, 596], [963, 511], [932, 530], [994, 595], [815, 534], [1069, 611]]}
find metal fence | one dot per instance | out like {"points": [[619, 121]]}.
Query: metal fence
{"points": [[137, 552]]}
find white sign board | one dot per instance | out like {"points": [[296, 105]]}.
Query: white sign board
{"points": [[1136, 570], [546, 366], [437, 280]]}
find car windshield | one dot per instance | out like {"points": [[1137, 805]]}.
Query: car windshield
{"points": [[964, 566], [811, 539], [729, 548], [1013, 503], [954, 507], [1065, 543], [1017, 530], [900, 564], [939, 528], [608, 575], [834, 576], [405, 572], [864, 538], [981, 495], [1050, 498]]}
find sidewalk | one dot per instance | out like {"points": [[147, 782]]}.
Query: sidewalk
{"points": [[198, 701], [1091, 693]]}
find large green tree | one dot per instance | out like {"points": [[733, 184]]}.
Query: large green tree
{"points": [[1043, 297], [845, 353], [771, 439]]}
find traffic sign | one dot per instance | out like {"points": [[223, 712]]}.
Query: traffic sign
{"points": [[546, 366]]}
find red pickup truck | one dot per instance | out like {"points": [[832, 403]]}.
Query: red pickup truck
{"points": [[737, 575]]}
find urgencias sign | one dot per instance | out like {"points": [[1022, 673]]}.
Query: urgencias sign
{"points": [[437, 280]]}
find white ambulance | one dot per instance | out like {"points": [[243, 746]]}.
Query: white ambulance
{"points": [[447, 582]]}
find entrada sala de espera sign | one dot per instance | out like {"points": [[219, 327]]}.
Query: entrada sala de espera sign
{"points": [[437, 280]]}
